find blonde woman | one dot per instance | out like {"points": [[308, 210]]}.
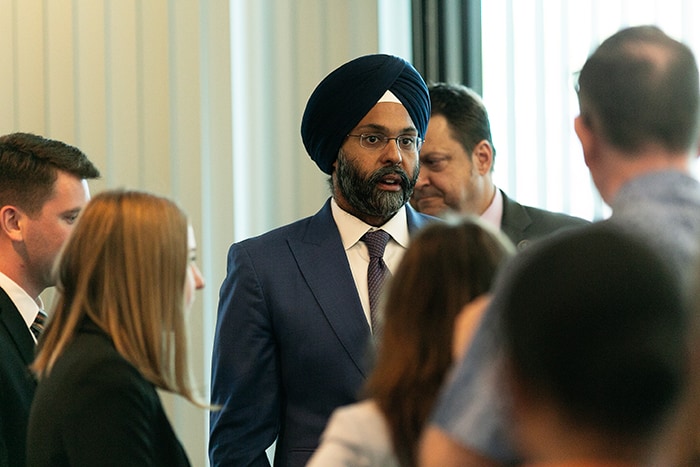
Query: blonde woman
{"points": [[125, 279]]}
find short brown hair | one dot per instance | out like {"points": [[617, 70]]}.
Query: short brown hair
{"points": [[29, 166]]}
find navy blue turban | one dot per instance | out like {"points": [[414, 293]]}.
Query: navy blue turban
{"points": [[349, 92]]}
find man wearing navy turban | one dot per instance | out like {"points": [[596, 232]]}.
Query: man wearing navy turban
{"points": [[294, 322]]}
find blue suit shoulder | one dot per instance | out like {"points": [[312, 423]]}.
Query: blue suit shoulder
{"points": [[316, 227]]}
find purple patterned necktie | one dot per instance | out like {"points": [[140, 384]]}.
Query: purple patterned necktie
{"points": [[38, 324], [377, 273]]}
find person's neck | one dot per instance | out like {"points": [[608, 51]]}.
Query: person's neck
{"points": [[547, 437], [22, 281], [620, 169], [489, 194]]}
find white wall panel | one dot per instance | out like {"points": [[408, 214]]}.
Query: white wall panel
{"points": [[7, 77], [153, 94], [123, 106], [30, 85], [60, 70], [90, 86]]}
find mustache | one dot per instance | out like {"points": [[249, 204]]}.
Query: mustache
{"points": [[384, 171]]}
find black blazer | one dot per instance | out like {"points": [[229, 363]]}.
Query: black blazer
{"points": [[97, 409], [16, 382], [523, 224]]}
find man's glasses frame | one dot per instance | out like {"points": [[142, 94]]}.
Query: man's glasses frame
{"points": [[378, 141]]}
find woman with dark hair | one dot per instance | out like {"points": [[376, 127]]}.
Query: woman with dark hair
{"points": [[445, 267]]}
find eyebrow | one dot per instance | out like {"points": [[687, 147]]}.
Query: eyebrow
{"points": [[383, 129]]}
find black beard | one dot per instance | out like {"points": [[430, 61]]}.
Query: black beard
{"points": [[362, 193]]}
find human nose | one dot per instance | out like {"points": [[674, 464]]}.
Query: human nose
{"points": [[392, 152], [423, 179], [198, 277]]}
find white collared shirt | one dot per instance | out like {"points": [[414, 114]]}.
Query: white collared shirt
{"points": [[352, 229], [27, 306]]}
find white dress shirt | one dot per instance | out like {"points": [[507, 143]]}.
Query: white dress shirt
{"points": [[352, 229], [27, 306]]}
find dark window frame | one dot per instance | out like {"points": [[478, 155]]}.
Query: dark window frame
{"points": [[447, 41]]}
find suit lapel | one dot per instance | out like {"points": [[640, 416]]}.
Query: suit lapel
{"points": [[324, 265], [515, 220], [14, 326], [416, 220]]}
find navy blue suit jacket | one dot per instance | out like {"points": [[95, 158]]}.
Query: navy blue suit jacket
{"points": [[17, 385], [291, 342]]}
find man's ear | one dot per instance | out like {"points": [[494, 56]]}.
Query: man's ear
{"points": [[11, 222], [482, 157], [587, 137]]}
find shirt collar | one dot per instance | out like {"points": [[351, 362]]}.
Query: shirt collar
{"points": [[494, 213], [352, 229], [27, 306]]}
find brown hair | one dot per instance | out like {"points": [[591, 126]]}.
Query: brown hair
{"points": [[29, 166], [124, 268], [445, 267], [465, 113]]}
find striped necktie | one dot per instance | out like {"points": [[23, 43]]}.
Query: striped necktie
{"points": [[377, 273], [38, 324]]}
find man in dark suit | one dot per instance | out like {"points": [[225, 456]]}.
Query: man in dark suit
{"points": [[42, 189], [457, 165], [294, 321]]}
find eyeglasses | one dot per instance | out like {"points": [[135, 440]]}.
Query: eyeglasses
{"points": [[377, 142]]}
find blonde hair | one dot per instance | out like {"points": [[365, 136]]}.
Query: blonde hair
{"points": [[124, 268]]}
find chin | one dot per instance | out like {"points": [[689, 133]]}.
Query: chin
{"points": [[429, 209]]}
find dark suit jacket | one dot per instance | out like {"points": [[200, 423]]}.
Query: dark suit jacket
{"points": [[16, 382], [523, 224], [291, 342], [97, 409]]}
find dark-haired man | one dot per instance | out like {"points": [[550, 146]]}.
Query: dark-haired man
{"points": [[457, 161], [297, 306], [43, 187]]}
